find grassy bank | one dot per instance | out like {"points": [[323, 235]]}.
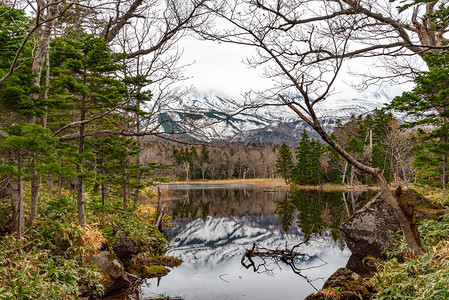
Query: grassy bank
{"points": [[262, 182], [52, 259], [427, 277], [280, 182]]}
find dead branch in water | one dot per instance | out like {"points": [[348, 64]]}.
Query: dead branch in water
{"points": [[287, 256]]}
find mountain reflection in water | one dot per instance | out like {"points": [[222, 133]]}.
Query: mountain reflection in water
{"points": [[215, 224]]}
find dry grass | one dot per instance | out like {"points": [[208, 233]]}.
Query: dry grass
{"points": [[92, 238], [148, 212], [148, 193], [263, 182], [441, 252], [280, 182]]}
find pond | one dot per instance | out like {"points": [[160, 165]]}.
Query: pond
{"points": [[215, 224]]}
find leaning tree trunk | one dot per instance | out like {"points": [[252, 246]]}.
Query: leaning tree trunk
{"points": [[406, 226], [413, 240]]}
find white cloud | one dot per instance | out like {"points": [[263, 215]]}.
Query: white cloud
{"points": [[218, 68]]}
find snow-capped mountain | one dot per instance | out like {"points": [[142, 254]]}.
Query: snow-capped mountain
{"points": [[209, 116]]}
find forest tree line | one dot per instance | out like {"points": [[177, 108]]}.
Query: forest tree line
{"points": [[378, 139], [213, 161]]}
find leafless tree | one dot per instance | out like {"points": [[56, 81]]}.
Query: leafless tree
{"points": [[303, 46]]}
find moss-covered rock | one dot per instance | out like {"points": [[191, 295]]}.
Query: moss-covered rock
{"points": [[425, 208], [153, 271]]}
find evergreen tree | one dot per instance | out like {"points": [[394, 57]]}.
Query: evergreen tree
{"points": [[284, 162], [83, 78], [314, 164], [301, 174], [28, 147], [308, 154], [15, 90], [428, 103]]}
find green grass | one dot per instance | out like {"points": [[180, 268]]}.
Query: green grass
{"points": [[425, 277], [52, 259]]}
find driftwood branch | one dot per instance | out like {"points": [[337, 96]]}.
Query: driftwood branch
{"points": [[288, 256]]}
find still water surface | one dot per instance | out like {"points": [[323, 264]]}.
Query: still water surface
{"points": [[214, 224]]}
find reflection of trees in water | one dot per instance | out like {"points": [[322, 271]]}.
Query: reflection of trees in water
{"points": [[316, 211], [200, 203]]}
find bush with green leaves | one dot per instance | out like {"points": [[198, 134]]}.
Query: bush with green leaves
{"points": [[115, 218], [47, 264], [52, 259]]}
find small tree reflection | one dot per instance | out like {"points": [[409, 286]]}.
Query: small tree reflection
{"points": [[290, 257]]}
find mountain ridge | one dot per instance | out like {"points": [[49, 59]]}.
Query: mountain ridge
{"points": [[212, 117]]}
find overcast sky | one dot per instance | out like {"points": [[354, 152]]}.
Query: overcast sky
{"points": [[219, 68]]}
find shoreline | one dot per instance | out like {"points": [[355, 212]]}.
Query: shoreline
{"points": [[260, 182], [279, 182]]}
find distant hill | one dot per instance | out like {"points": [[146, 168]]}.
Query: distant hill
{"points": [[211, 117]]}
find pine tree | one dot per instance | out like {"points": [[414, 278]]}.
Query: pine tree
{"points": [[314, 165], [301, 174], [284, 162], [428, 103], [308, 154]]}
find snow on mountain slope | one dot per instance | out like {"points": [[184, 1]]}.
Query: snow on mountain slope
{"points": [[210, 116]]}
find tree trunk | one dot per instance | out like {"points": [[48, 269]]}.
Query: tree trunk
{"points": [[41, 52], [125, 189], [35, 186], [406, 226], [138, 159], [42, 55], [352, 177], [79, 167], [186, 166], [445, 176], [344, 173], [18, 215], [138, 180], [103, 192], [47, 84], [203, 171], [59, 186], [103, 187]]}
